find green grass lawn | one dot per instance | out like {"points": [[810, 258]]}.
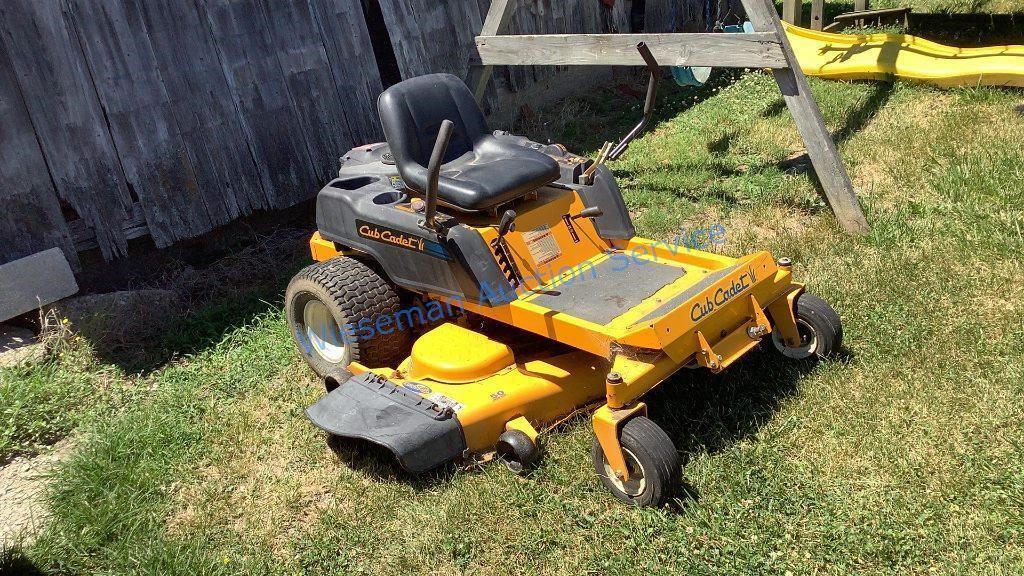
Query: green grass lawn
{"points": [[952, 6], [903, 457]]}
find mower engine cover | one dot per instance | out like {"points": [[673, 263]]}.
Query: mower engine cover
{"points": [[421, 434]]}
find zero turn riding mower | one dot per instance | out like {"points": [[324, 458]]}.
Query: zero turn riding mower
{"points": [[473, 289]]}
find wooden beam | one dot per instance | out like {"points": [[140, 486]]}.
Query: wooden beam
{"points": [[871, 14], [759, 50], [860, 5], [497, 18], [821, 148], [817, 14], [792, 11], [881, 17]]}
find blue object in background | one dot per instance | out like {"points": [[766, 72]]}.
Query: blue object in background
{"points": [[697, 76], [737, 28], [694, 76]]}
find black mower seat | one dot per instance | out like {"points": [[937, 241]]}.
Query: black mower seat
{"points": [[479, 170]]}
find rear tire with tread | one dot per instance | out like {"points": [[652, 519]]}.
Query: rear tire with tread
{"points": [[351, 292]]}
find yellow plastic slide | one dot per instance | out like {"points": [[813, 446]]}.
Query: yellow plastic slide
{"points": [[884, 56]]}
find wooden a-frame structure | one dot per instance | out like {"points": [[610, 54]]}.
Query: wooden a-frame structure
{"points": [[767, 47]]}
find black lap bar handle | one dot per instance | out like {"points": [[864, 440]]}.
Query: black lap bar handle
{"points": [[652, 95], [444, 136]]}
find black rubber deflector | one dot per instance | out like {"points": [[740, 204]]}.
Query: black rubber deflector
{"points": [[421, 434]]}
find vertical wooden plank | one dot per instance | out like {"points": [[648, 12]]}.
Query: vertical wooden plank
{"points": [[30, 220], [431, 36], [792, 11], [253, 71], [498, 15], [821, 148], [142, 125], [524, 21], [230, 181], [549, 17], [860, 5], [346, 40], [61, 100], [817, 14], [322, 118], [677, 16]]}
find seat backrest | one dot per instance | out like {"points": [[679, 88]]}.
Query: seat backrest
{"points": [[411, 113]]}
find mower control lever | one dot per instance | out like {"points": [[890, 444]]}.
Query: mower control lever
{"points": [[444, 136], [652, 95], [505, 261], [592, 212], [507, 223]]}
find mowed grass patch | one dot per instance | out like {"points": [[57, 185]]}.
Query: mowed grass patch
{"points": [[903, 456], [956, 6]]}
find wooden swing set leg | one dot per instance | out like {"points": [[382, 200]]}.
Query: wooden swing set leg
{"points": [[821, 147], [497, 18]]}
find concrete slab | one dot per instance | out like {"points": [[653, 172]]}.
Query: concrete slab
{"points": [[34, 281]]}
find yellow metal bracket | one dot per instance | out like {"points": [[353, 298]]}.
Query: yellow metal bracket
{"points": [[524, 426], [322, 249], [735, 345], [760, 325], [708, 358], [784, 318], [607, 427]]}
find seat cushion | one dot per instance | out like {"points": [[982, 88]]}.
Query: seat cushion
{"points": [[493, 173]]}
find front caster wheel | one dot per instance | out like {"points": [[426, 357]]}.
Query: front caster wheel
{"points": [[652, 460], [519, 452], [821, 330]]}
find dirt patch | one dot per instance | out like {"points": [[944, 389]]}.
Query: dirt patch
{"points": [[19, 346], [747, 231], [22, 512], [123, 319]]}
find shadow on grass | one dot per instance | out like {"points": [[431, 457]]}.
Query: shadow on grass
{"points": [[13, 561], [859, 117], [612, 112], [855, 121], [705, 413], [714, 168], [211, 300], [378, 462]]}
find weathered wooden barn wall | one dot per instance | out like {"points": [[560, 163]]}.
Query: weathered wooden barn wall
{"points": [[30, 216], [134, 117], [168, 118], [691, 15], [438, 35]]}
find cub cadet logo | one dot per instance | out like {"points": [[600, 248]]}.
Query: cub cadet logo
{"points": [[723, 295], [390, 236]]}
